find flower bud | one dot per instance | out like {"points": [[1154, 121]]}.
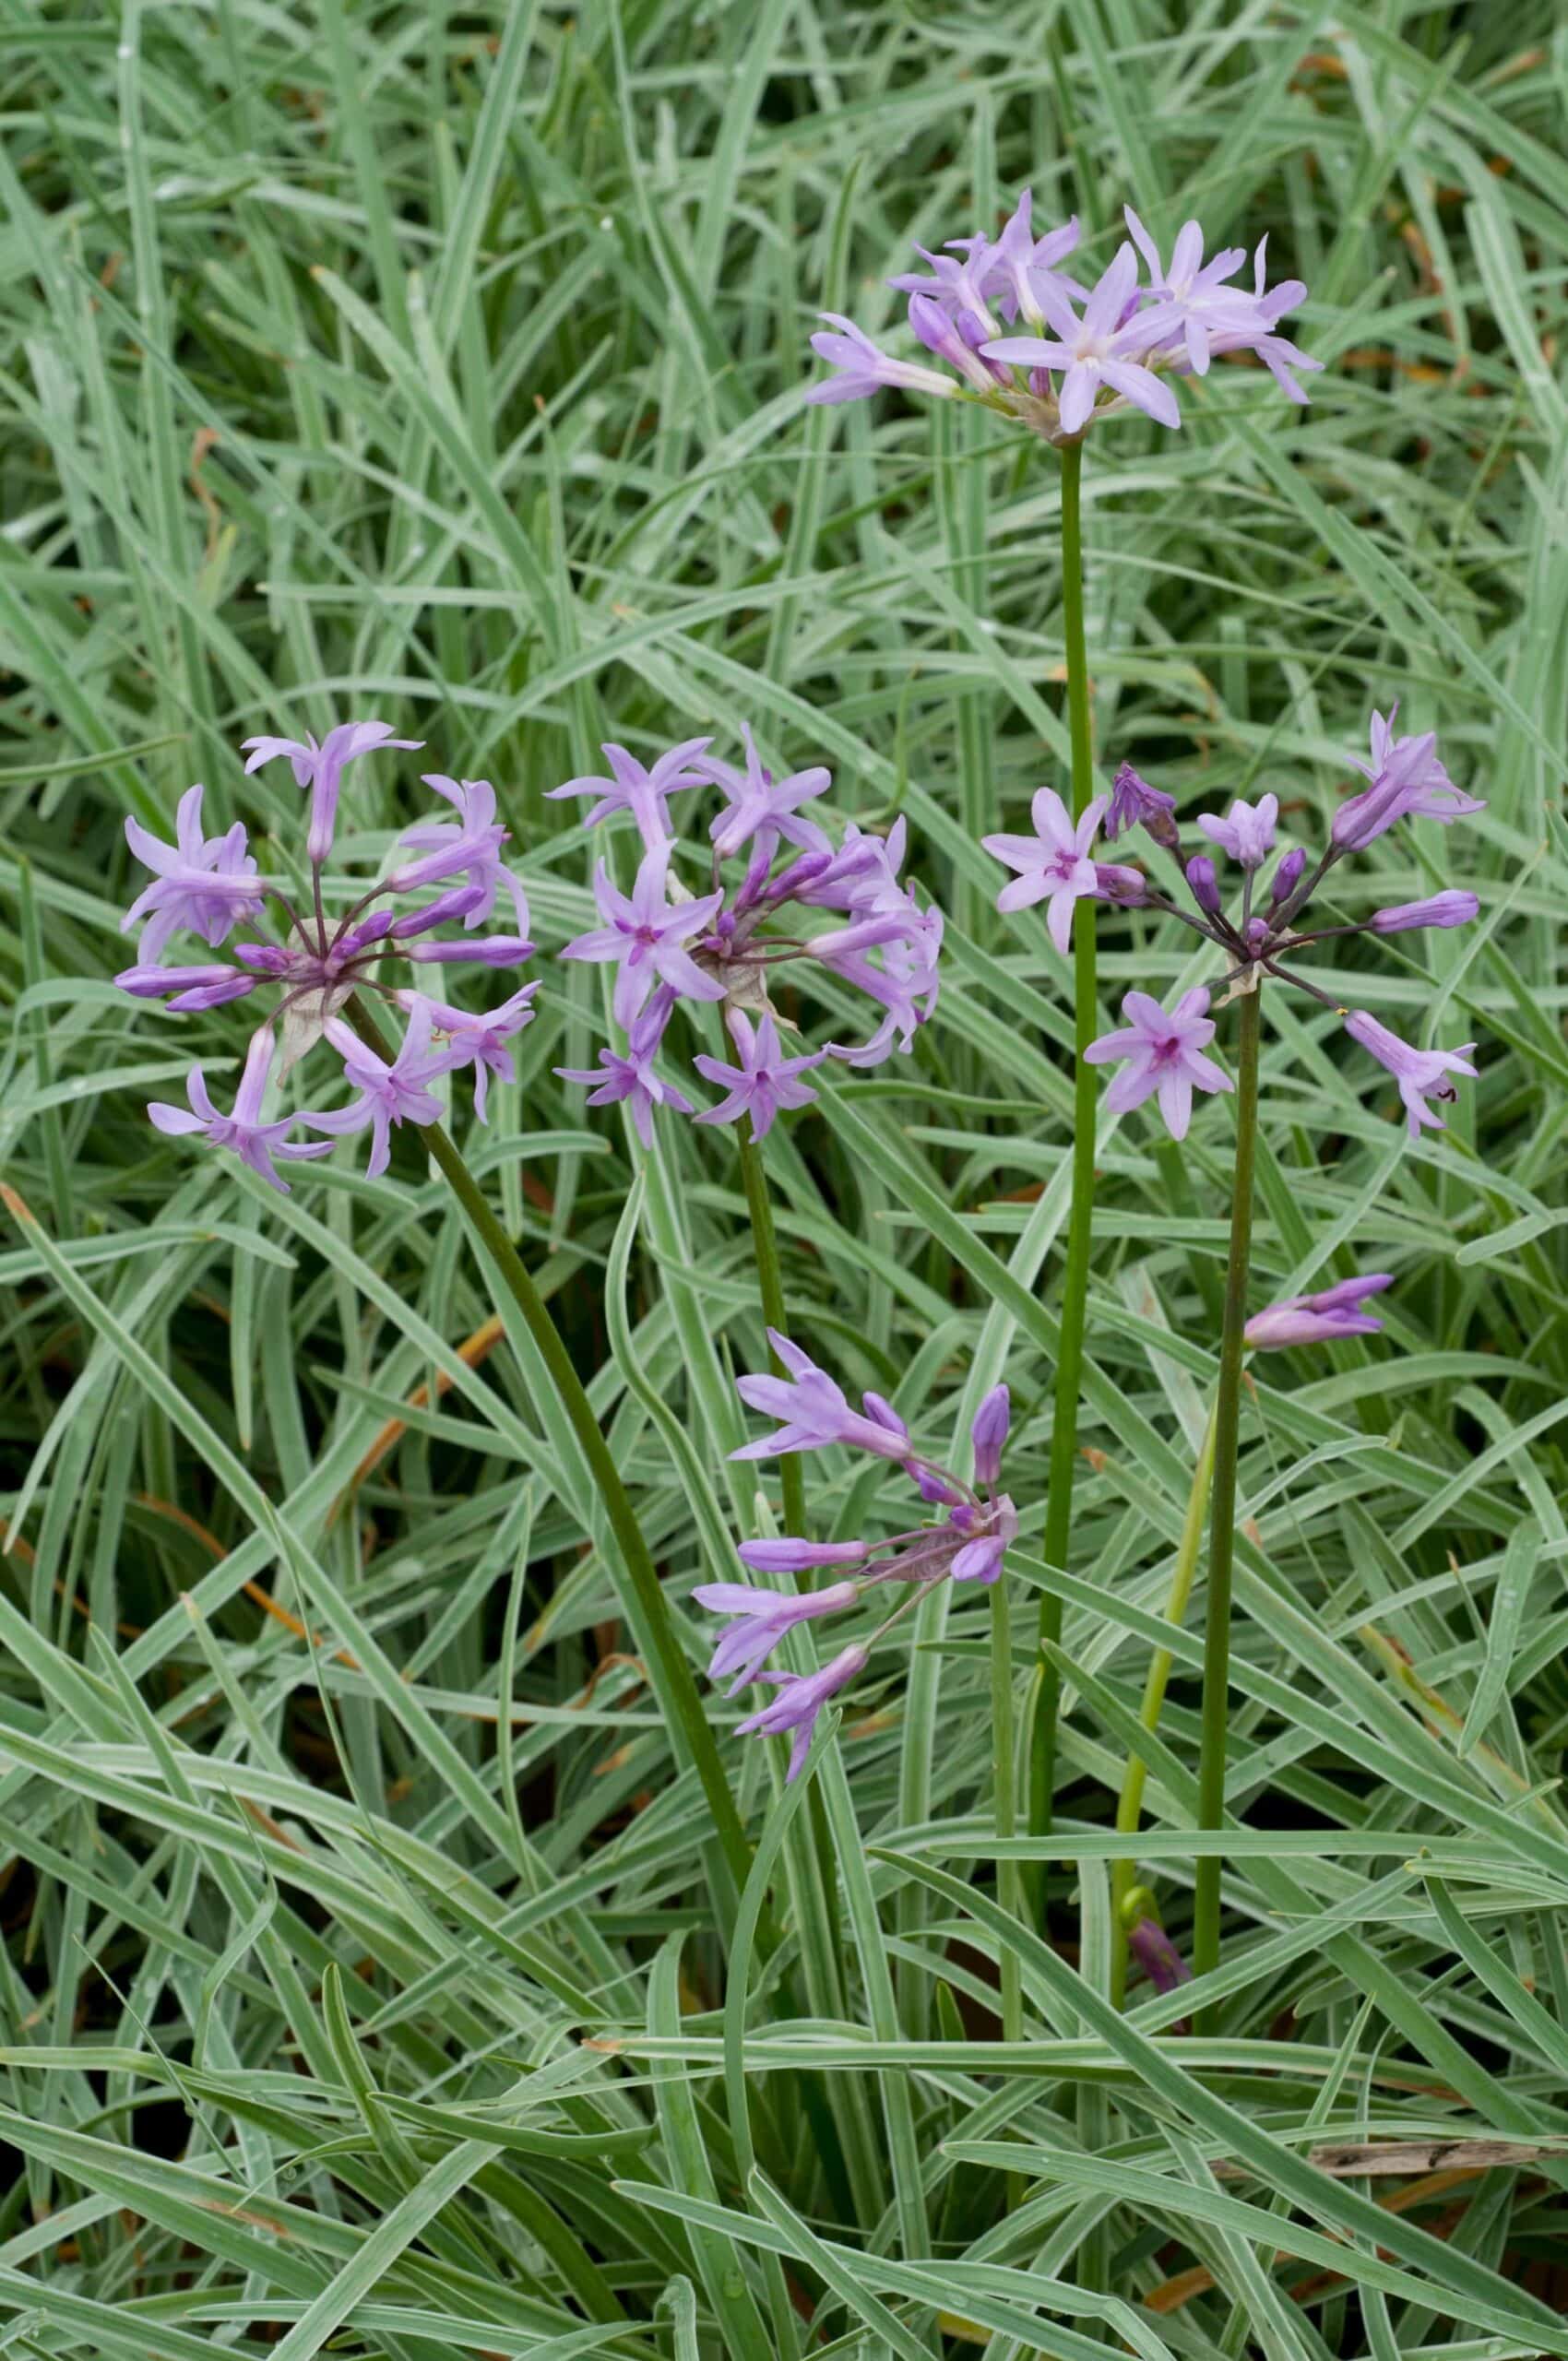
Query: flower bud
{"points": [[1205, 884]]}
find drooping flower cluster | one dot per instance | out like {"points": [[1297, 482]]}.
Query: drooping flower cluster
{"points": [[724, 946], [1080, 354], [209, 885], [1163, 1053], [968, 1544]]}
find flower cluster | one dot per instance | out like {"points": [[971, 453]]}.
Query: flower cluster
{"points": [[1162, 1053], [1080, 353], [209, 885], [722, 945], [968, 1544]]}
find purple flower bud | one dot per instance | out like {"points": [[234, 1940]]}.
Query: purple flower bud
{"points": [[1453, 908], [989, 1432], [786, 1556], [190, 988], [455, 905], [1204, 883], [489, 950], [979, 1561], [363, 933], [799, 875], [877, 1408], [1287, 877], [1126, 887], [931, 1485], [1158, 1956], [265, 957], [1318, 1319]]}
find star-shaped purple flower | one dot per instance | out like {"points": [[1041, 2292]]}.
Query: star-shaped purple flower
{"points": [[480, 1038], [243, 1133], [320, 767], [801, 1699], [205, 885], [1164, 1055], [397, 1093], [633, 1077], [759, 805], [1053, 864], [1408, 782], [814, 1411], [468, 847], [762, 1617], [763, 1081], [1190, 299], [633, 787], [1095, 351], [645, 936], [1421, 1074]]}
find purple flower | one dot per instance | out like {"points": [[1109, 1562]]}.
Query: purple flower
{"points": [[1453, 908], [644, 794], [192, 988], [1157, 1955], [1094, 350], [762, 1617], [243, 1133], [320, 767], [760, 805], [814, 1411], [1251, 329], [863, 368], [1018, 265], [645, 935], [1247, 835], [763, 1083], [801, 1699], [1053, 864], [1134, 803], [1190, 298], [207, 885], [632, 1077], [1318, 1319], [1421, 1074], [397, 1093], [479, 1037], [989, 1432], [1408, 782], [468, 847], [979, 1560], [1164, 1055]]}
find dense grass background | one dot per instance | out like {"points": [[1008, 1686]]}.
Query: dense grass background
{"points": [[362, 1989]]}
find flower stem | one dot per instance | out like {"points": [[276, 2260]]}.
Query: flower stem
{"points": [[1222, 1523], [1129, 1809], [671, 1674], [1002, 1741], [1046, 1698], [770, 1287]]}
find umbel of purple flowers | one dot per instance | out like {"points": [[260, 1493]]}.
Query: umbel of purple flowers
{"points": [[1162, 1053], [210, 885], [1076, 355], [725, 945], [967, 1544]]}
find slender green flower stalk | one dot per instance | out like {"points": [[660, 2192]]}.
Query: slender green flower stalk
{"points": [[673, 1678], [770, 1289], [1222, 1524], [1046, 1700], [1129, 1807]]}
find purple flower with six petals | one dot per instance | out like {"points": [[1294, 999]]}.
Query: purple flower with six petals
{"points": [[814, 1411], [1421, 1074], [1164, 1054], [1053, 864], [765, 1080], [320, 767], [801, 1699], [1095, 351], [646, 935], [243, 1133], [1247, 832], [207, 885], [399, 1093]]}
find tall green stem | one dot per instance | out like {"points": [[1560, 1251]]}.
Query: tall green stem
{"points": [[673, 1679], [1046, 1700], [1002, 1742], [1129, 1809], [1222, 1522], [770, 1287]]}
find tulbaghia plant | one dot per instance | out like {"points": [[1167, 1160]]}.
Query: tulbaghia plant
{"points": [[431, 906], [769, 874], [966, 1544], [1002, 321], [1261, 935]]}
